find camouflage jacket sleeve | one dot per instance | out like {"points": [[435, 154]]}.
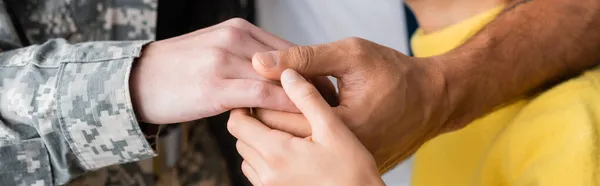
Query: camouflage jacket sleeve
{"points": [[65, 109]]}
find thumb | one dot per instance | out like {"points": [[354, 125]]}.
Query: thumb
{"points": [[310, 61], [324, 123]]}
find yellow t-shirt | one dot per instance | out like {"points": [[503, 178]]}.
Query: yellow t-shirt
{"points": [[549, 139]]}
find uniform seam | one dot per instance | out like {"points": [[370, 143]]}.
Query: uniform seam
{"points": [[36, 62], [129, 112], [131, 52]]}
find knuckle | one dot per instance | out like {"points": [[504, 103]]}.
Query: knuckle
{"points": [[238, 22], [244, 169], [218, 59], [303, 56], [276, 161], [286, 145], [308, 93], [355, 41], [260, 91], [269, 179], [244, 165], [277, 153], [231, 34], [218, 55], [238, 145], [232, 124], [357, 46]]}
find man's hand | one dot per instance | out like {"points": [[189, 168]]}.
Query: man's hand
{"points": [[205, 73], [392, 102], [331, 156]]}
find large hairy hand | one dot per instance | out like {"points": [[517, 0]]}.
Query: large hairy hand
{"points": [[392, 102]]}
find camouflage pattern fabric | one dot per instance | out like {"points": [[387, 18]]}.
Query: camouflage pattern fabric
{"points": [[65, 107], [200, 165]]}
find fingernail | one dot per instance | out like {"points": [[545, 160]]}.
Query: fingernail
{"points": [[269, 59], [290, 76]]}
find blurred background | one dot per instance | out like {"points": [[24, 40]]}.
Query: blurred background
{"points": [[303, 22]]}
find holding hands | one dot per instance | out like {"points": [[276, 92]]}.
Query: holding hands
{"points": [[331, 156], [205, 73], [392, 102]]}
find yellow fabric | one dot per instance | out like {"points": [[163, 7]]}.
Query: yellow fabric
{"points": [[442, 41], [548, 139]]}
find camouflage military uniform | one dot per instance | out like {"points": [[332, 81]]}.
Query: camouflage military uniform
{"points": [[65, 109]]}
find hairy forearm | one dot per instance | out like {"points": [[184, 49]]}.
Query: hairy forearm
{"points": [[533, 44]]}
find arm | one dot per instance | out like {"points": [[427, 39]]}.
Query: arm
{"points": [[395, 103], [66, 110], [531, 45]]}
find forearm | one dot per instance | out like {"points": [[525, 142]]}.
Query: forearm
{"points": [[531, 45]]}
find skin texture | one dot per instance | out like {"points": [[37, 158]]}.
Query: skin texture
{"points": [[530, 47], [218, 60], [274, 158], [374, 96], [395, 103]]}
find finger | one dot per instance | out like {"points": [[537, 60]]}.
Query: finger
{"points": [[250, 174], [253, 133], [241, 112], [310, 61], [240, 68], [250, 47], [293, 123], [323, 122], [251, 156], [245, 93]]}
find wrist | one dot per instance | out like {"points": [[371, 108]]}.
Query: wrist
{"points": [[465, 92], [441, 98], [136, 80]]}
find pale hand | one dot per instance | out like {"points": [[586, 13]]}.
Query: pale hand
{"points": [[205, 73], [331, 156]]}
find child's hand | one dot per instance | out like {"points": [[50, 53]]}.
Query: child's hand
{"points": [[331, 156]]}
